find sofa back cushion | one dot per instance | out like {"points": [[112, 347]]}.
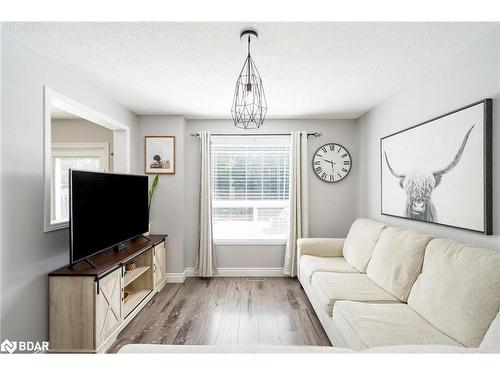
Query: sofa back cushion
{"points": [[360, 242], [397, 260], [491, 341], [457, 291]]}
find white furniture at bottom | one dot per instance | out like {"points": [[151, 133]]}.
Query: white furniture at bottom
{"points": [[211, 349], [90, 306]]}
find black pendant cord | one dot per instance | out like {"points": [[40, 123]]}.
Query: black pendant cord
{"points": [[249, 60]]}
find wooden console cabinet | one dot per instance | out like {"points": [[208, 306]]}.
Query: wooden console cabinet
{"points": [[90, 306]]}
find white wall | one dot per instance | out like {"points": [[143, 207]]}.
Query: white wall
{"points": [[82, 131], [332, 208], [471, 76], [28, 253]]}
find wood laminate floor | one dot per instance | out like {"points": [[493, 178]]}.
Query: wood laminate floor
{"points": [[226, 310]]}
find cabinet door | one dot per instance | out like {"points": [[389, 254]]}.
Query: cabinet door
{"points": [[108, 306], [159, 263]]}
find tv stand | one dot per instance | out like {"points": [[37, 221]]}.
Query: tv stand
{"points": [[124, 244], [90, 302], [121, 245]]}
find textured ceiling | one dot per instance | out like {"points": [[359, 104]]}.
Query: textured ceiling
{"points": [[309, 70]]}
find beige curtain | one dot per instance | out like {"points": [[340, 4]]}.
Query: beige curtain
{"points": [[206, 253], [299, 207]]}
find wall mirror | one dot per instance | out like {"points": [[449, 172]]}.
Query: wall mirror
{"points": [[77, 137]]}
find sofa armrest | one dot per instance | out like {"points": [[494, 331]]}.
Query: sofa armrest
{"points": [[321, 247]]}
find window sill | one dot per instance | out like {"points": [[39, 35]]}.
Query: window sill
{"points": [[250, 242]]}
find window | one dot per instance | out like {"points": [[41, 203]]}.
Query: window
{"points": [[65, 156], [250, 182]]}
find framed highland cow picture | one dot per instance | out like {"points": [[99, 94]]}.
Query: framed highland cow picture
{"points": [[159, 154], [440, 171]]}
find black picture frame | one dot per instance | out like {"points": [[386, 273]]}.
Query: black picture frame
{"points": [[487, 163]]}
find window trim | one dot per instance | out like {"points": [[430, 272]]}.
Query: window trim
{"points": [[256, 242], [249, 241], [70, 149]]}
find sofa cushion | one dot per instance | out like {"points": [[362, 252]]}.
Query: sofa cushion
{"points": [[397, 260], [491, 341], [457, 291], [360, 242], [321, 247], [309, 264], [330, 287], [368, 325]]}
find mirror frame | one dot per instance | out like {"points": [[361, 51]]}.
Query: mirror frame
{"points": [[121, 151]]}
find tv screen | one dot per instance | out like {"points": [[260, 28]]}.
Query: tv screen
{"points": [[105, 210]]}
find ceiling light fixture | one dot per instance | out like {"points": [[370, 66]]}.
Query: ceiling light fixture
{"points": [[249, 103]]}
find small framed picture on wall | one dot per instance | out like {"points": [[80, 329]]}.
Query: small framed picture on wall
{"points": [[159, 154]]}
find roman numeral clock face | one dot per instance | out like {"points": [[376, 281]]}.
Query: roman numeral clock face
{"points": [[332, 162]]}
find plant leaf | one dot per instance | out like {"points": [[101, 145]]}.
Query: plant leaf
{"points": [[152, 190]]}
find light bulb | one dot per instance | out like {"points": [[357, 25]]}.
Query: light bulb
{"points": [[248, 93]]}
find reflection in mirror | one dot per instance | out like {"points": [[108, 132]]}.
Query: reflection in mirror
{"points": [[76, 143]]}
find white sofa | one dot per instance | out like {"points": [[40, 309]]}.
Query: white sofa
{"points": [[384, 286], [209, 349]]}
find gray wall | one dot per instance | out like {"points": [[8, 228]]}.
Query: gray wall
{"points": [[471, 76], [167, 209], [175, 206], [82, 131], [331, 206], [1, 205], [28, 253]]}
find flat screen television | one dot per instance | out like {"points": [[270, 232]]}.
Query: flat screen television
{"points": [[106, 209]]}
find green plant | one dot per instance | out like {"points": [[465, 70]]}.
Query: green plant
{"points": [[152, 191]]}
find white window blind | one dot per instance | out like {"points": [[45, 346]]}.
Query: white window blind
{"points": [[250, 182]]}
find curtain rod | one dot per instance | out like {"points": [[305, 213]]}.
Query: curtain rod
{"points": [[315, 134]]}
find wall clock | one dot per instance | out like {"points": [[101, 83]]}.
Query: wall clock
{"points": [[332, 162]]}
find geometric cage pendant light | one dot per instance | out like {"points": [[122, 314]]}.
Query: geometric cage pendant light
{"points": [[249, 102]]}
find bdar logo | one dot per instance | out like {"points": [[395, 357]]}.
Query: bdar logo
{"points": [[8, 346]]}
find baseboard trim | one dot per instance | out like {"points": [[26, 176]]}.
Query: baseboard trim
{"points": [[242, 272], [176, 277], [228, 272]]}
